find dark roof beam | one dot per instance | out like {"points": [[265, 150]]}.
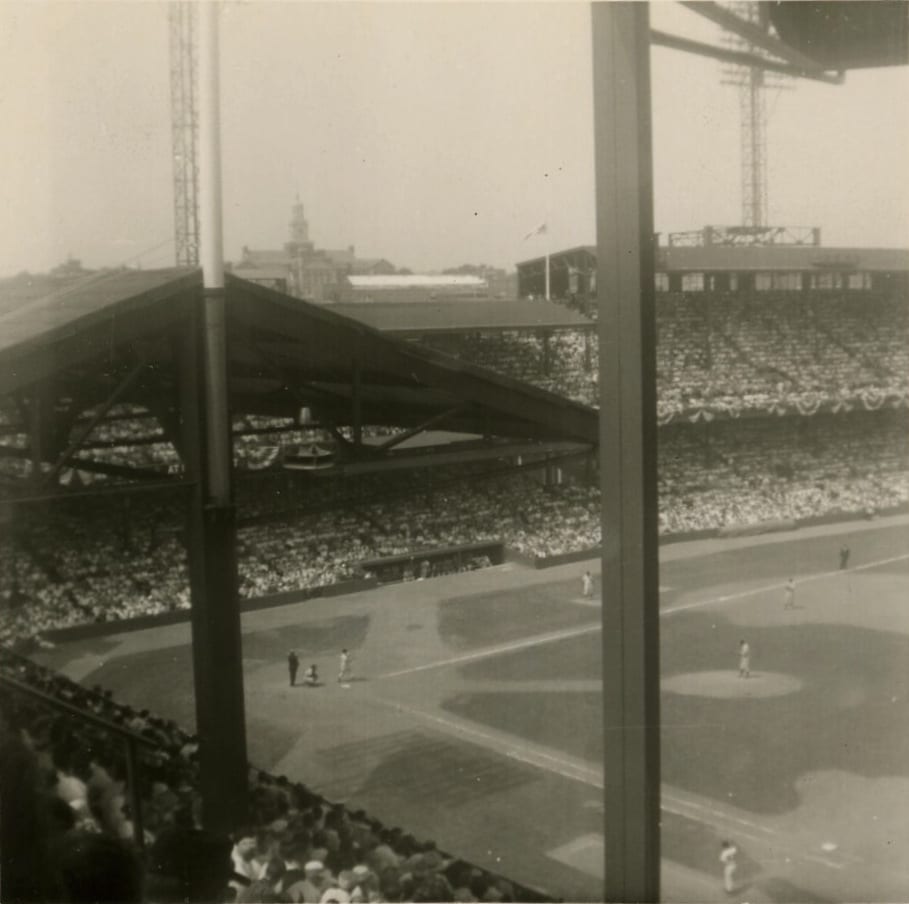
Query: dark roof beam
{"points": [[83, 433], [754, 34], [96, 338], [752, 60], [117, 489], [90, 465], [114, 470]]}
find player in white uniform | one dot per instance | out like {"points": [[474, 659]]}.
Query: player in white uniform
{"points": [[344, 670], [744, 660], [727, 857], [789, 595], [587, 585]]}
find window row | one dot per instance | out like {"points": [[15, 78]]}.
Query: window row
{"points": [[762, 281]]}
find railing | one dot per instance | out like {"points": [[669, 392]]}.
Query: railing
{"points": [[131, 741]]}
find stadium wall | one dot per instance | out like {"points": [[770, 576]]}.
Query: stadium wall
{"points": [[97, 629], [500, 553], [513, 555], [749, 530]]}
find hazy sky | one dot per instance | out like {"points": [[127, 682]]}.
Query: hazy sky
{"points": [[429, 134]]}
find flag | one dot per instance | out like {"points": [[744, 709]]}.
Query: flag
{"points": [[540, 230]]}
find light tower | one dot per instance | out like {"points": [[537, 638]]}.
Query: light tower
{"points": [[184, 89], [753, 83]]}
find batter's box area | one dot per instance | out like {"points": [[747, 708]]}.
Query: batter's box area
{"points": [[411, 764]]}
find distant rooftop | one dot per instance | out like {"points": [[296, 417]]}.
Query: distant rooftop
{"points": [[416, 281], [701, 258], [254, 257], [258, 273], [782, 257], [463, 315]]}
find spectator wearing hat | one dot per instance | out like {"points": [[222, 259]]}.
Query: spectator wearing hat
{"points": [[243, 856], [365, 884], [339, 891], [311, 886], [293, 850]]}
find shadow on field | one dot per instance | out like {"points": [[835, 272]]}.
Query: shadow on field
{"points": [[850, 714]]}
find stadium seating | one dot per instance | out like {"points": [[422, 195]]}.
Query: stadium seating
{"points": [[772, 409], [726, 353], [738, 374], [67, 778], [105, 562]]}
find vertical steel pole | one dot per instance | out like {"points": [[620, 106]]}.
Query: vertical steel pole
{"points": [[212, 255], [357, 401], [39, 412], [628, 448], [217, 644]]}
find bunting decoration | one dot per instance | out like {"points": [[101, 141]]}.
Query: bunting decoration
{"points": [[869, 399]]}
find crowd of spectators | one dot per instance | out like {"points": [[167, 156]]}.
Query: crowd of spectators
{"points": [[736, 473], [410, 514], [725, 353], [69, 834], [131, 436], [717, 354], [95, 561], [109, 560]]}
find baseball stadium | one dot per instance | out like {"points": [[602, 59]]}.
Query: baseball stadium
{"points": [[425, 593]]}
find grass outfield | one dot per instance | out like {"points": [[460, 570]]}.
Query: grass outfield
{"points": [[853, 686], [476, 719]]}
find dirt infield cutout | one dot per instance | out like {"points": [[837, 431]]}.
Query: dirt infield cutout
{"points": [[727, 683]]}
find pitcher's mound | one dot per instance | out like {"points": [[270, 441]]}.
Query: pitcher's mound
{"points": [[728, 684]]}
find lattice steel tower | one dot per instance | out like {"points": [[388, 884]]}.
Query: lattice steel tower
{"points": [[752, 83], [184, 88]]}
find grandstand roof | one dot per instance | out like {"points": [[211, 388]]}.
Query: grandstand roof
{"points": [[36, 311], [564, 252], [415, 281], [255, 257], [782, 257], [118, 333], [268, 272], [761, 257], [457, 316]]}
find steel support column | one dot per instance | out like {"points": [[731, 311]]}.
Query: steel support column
{"points": [[85, 431], [217, 644], [40, 421], [356, 401], [215, 615], [628, 447]]}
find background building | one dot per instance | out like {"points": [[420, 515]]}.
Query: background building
{"points": [[411, 287], [301, 269], [718, 259]]}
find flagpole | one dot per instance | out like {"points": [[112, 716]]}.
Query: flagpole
{"points": [[541, 230]]}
